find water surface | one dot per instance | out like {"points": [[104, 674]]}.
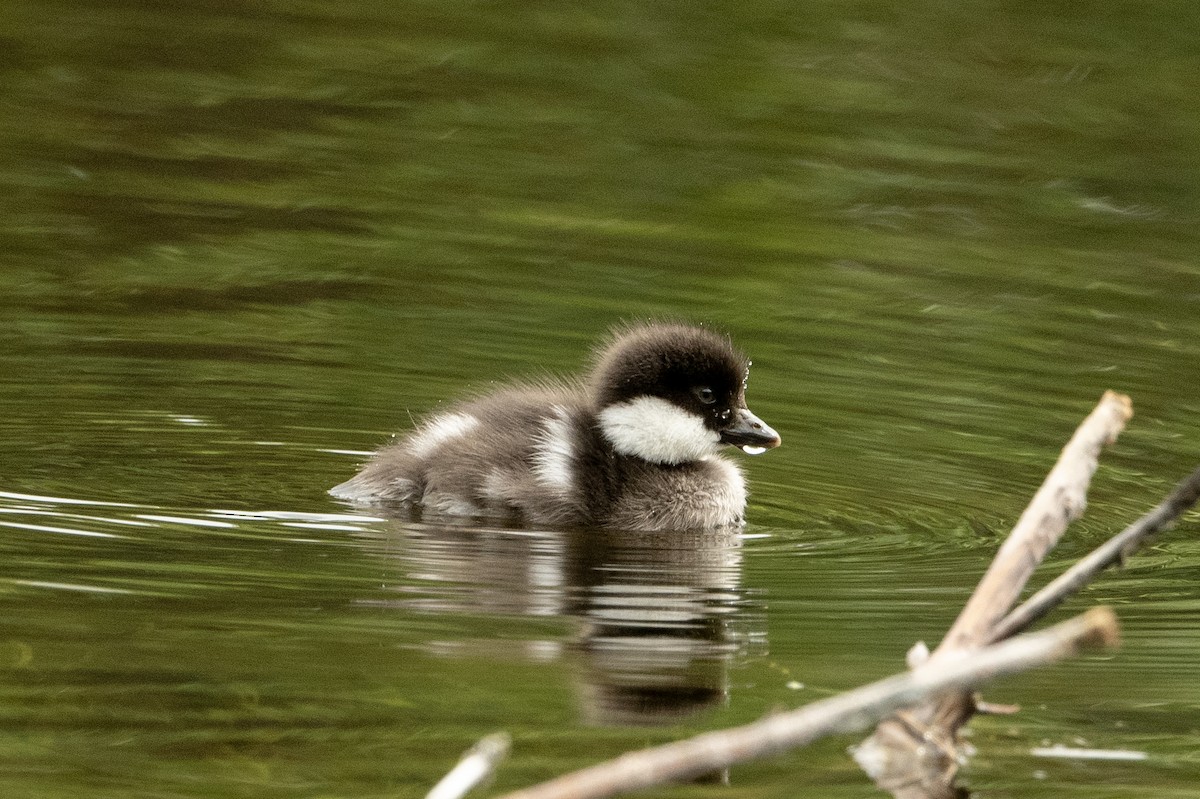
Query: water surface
{"points": [[243, 243]]}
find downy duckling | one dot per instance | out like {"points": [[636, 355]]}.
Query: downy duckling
{"points": [[634, 446]]}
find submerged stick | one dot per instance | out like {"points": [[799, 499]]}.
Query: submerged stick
{"points": [[477, 764], [845, 712], [1114, 550]]}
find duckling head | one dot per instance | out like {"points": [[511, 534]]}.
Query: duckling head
{"points": [[673, 393]]}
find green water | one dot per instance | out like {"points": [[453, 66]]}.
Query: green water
{"points": [[242, 242]]}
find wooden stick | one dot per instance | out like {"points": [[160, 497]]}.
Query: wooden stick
{"points": [[1114, 550], [845, 712], [1061, 499], [915, 754], [476, 765]]}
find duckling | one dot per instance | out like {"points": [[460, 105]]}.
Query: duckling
{"points": [[633, 446]]}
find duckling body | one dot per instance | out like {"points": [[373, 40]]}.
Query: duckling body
{"points": [[634, 447]]}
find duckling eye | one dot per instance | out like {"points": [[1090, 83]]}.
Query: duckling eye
{"points": [[705, 395]]}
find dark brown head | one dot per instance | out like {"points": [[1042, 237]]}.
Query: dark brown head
{"points": [[672, 393]]}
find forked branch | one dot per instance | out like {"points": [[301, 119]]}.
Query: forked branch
{"points": [[1113, 551], [1060, 501], [845, 712]]}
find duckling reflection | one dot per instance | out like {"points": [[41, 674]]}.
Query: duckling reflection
{"points": [[661, 619], [658, 618]]}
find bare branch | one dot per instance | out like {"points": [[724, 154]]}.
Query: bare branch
{"points": [[914, 754], [1061, 499], [1115, 550], [477, 764], [845, 712]]}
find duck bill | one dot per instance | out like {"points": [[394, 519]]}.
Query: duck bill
{"points": [[750, 433]]}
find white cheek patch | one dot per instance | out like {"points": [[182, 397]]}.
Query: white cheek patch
{"points": [[440, 430], [554, 452], [655, 430]]}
